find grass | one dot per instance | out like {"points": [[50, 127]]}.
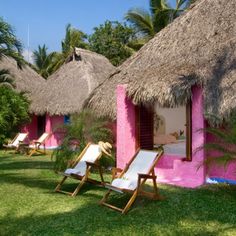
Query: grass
{"points": [[28, 206]]}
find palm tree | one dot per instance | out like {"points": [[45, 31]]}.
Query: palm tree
{"points": [[9, 45], [148, 23], [44, 61], [73, 38]]}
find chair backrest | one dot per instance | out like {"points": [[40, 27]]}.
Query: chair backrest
{"points": [[20, 138], [141, 164], [92, 153], [43, 137]]}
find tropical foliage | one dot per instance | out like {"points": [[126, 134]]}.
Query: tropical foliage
{"points": [[13, 106], [160, 14], [73, 38], [222, 149], [113, 40], [9, 45], [44, 61], [13, 112], [83, 128]]}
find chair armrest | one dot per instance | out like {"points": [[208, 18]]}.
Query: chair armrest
{"points": [[115, 171], [88, 163], [21, 143], [36, 142], [146, 176], [9, 141]]}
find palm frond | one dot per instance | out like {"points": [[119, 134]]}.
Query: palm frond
{"points": [[9, 44], [6, 79], [141, 20], [157, 5]]}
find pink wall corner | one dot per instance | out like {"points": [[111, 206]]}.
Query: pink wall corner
{"points": [[126, 127], [31, 128], [52, 123]]}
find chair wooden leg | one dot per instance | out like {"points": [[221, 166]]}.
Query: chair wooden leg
{"points": [[101, 175], [130, 202], [79, 187], [84, 179], [157, 195], [32, 152], [58, 187], [104, 199]]}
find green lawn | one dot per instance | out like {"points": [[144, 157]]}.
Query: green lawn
{"points": [[28, 206]]}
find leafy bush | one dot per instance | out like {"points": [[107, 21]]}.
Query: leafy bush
{"points": [[13, 112], [112, 40], [223, 144], [82, 129]]}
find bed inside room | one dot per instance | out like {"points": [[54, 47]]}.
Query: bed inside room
{"points": [[170, 130]]}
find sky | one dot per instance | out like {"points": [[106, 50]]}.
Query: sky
{"points": [[46, 19]]}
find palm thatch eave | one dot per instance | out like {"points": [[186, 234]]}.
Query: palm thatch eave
{"points": [[25, 79], [197, 48]]}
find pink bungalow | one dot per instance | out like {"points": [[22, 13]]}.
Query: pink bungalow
{"points": [[180, 82], [64, 93]]}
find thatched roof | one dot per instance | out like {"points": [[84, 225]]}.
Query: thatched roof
{"points": [[197, 48], [25, 80], [67, 89]]}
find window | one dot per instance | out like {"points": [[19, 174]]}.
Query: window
{"points": [[66, 119]]}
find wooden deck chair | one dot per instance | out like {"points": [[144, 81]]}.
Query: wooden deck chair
{"points": [[81, 168], [133, 177], [35, 145], [15, 143]]}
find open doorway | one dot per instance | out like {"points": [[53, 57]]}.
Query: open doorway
{"points": [[41, 125], [166, 127]]}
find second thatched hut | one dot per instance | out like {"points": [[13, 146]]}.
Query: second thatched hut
{"points": [[66, 90]]}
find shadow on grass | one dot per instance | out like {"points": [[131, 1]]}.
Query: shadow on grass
{"points": [[209, 210], [189, 217], [47, 183], [29, 164]]}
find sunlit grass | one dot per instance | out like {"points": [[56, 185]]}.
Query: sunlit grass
{"points": [[29, 206]]}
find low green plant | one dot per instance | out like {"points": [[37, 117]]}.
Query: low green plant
{"points": [[223, 144], [83, 128]]}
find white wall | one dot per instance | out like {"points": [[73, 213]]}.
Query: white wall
{"points": [[174, 119]]}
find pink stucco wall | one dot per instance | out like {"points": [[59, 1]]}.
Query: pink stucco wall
{"points": [[52, 122], [125, 133], [170, 170], [31, 128], [52, 125]]}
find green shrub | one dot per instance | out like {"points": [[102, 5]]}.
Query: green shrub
{"points": [[13, 112], [83, 128], [223, 145]]}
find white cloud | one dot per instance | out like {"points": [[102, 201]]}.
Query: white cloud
{"points": [[28, 56]]}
